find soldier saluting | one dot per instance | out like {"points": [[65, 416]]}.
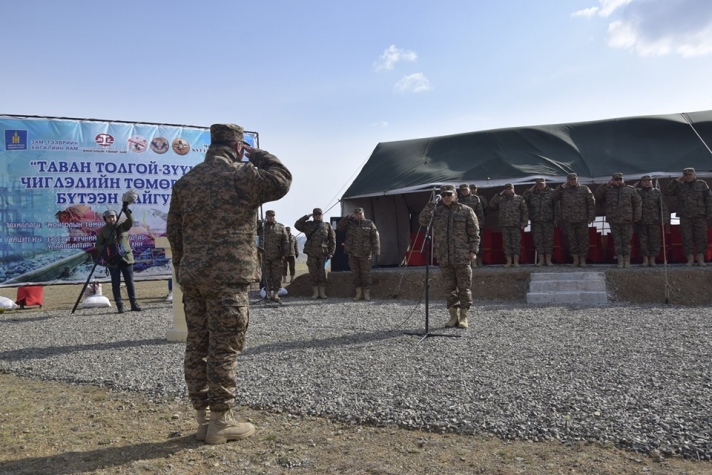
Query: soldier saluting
{"points": [[320, 246]]}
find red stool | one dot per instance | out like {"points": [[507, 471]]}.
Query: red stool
{"points": [[30, 296]]}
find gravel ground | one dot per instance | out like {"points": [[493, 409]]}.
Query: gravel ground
{"points": [[638, 377]]}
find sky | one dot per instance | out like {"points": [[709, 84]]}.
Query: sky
{"points": [[323, 82]]}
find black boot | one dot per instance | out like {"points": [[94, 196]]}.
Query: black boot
{"points": [[120, 307], [135, 307]]}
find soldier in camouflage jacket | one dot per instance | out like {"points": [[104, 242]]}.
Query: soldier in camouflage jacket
{"points": [[456, 239], [623, 208], [320, 246], [578, 210], [292, 254], [543, 213], [694, 206], [212, 229], [362, 242], [275, 242], [513, 217], [654, 213]]}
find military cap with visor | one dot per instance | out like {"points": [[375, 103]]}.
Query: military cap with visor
{"points": [[316, 211], [509, 185], [270, 212], [226, 133], [571, 176], [540, 180], [358, 210], [689, 171], [109, 212], [464, 186], [646, 177], [617, 176], [447, 189]]}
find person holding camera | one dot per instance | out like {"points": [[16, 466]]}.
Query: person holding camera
{"points": [[212, 229], [113, 238]]}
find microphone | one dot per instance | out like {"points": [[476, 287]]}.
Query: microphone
{"points": [[437, 199]]}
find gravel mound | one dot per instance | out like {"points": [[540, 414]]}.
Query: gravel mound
{"points": [[637, 377]]}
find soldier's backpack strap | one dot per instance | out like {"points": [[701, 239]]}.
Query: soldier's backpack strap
{"points": [[315, 230]]}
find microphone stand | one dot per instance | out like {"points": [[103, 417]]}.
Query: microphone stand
{"points": [[427, 245], [96, 262]]}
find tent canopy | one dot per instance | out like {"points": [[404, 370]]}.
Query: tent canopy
{"points": [[661, 145]]}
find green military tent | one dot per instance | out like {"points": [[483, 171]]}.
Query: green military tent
{"points": [[398, 178]]}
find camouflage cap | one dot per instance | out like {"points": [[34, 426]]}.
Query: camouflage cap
{"points": [[540, 180], [509, 185], [473, 186], [226, 133], [447, 189], [617, 175], [316, 211], [646, 177], [688, 170], [109, 212], [571, 176], [358, 210], [464, 186], [287, 228], [270, 212]]}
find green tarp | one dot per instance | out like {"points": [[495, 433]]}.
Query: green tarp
{"points": [[661, 145]]}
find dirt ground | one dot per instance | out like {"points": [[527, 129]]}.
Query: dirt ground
{"points": [[56, 428]]}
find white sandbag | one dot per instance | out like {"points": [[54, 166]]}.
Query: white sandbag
{"points": [[282, 292], [7, 304], [96, 301]]}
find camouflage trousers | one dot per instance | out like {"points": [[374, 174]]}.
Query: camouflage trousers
{"points": [[543, 235], [360, 271], [650, 237], [511, 240], [217, 318], [317, 272], [577, 238], [289, 266], [694, 235], [622, 235], [272, 274], [458, 283]]}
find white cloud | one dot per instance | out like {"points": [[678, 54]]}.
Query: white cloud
{"points": [[391, 56], [658, 27], [413, 83], [382, 124]]}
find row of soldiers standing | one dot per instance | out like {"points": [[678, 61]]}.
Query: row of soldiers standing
{"points": [[573, 205]]}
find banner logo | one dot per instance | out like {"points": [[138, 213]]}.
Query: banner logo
{"points": [[15, 140], [181, 146], [104, 140], [159, 145], [138, 144]]}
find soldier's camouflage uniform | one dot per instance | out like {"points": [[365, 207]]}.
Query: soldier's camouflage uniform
{"points": [[212, 227], [292, 254], [694, 206], [649, 231], [474, 202], [543, 214], [455, 235], [578, 210], [276, 246], [362, 242], [513, 216], [320, 245], [623, 208]]}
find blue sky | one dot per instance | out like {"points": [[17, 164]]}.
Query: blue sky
{"points": [[323, 82]]}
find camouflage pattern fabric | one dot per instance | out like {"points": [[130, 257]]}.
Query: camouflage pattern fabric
{"points": [[543, 236], [362, 239], [292, 247], [360, 271], [622, 235], [456, 234], [513, 210], [321, 243], [649, 231], [483, 200], [542, 206], [622, 204], [457, 280], [474, 202], [217, 318], [694, 235], [212, 229], [694, 205], [276, 246], [577, 204], [577, 238], [511, 240], [693, 198]]}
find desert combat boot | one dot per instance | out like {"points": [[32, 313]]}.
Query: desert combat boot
{"points": [[224, 427], [358, 294], [701, 260], [322, 291], [454, 317], [367, 294], [540, 261], [462, 320], [315, 295], [201, 415]]}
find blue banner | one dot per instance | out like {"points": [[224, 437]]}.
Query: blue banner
{"points": [[58, 176]]}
